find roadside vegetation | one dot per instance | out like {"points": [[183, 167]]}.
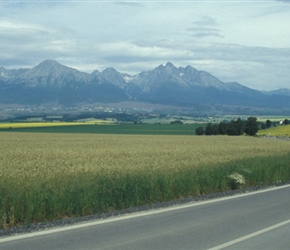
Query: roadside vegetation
{"points": [[48, 176]]}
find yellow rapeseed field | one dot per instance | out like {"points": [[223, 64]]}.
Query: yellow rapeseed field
{"points": [[49, 124]]}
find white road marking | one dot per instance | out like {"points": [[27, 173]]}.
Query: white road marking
{"points": [[135, 215], [230, 243]]}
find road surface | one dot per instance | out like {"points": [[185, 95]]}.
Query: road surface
{"points": [[256, 220]]}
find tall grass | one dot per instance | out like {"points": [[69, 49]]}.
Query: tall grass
{"points": [[51, 176]]}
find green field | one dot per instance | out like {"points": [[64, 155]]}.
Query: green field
{"points": [[283, 130], [48, 176], [153, 129]]}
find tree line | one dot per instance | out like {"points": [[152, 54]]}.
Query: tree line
{"points": [[233, 127]]}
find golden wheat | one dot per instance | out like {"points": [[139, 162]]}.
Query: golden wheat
{"points": [[26, 155], [49, 176]]}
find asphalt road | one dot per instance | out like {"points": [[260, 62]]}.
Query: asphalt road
{"points": [[258, 220]]}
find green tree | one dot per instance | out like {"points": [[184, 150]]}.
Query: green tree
{"points": [[199, 130], [240, 126], [211, 129], [263, 125], [251, 126], [233, 127], [268, 124], [223, 128], [286, 122]]}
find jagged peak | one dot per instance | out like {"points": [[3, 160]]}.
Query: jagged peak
{"points": [[169, 65], [161, 66], [95, 72], [49, 63], [188, 67], [53, 66], [110, 70]]}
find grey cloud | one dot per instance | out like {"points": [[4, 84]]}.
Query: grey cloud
{"points": [[22, 36], [256, 67], [206, 21], [139, 35], [201, 32], [243, 54], [285, 1], [129, 4], [206, 34], [205, 27]]}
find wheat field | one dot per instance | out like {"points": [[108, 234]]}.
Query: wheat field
{"points": [[51, 176]]}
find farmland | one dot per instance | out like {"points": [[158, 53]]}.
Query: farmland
{"points": [[47, 176], [276, 131], [31, 125], [101, 128]]}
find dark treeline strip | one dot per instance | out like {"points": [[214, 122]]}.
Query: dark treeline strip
{"points": [[234, 127]]}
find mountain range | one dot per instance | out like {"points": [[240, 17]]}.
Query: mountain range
{"points": [[51, 81]]}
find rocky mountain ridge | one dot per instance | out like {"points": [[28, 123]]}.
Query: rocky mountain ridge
{"points": [[51, 81]]}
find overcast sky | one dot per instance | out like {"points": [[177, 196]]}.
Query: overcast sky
{"points": [[243, 41]]}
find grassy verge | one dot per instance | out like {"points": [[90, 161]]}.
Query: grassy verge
{"points": [[65, 196]]}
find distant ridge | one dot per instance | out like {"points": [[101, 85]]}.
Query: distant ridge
{"points": [[283, 91], [166, 84]]}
